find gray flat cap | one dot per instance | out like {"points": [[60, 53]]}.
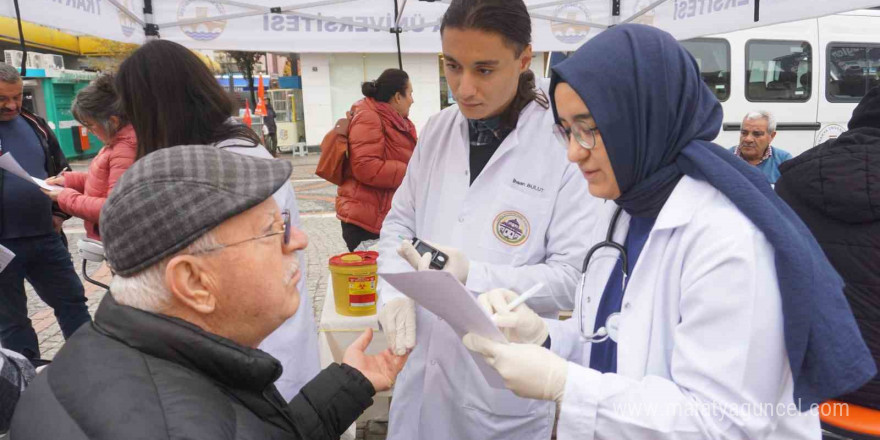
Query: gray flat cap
{"points": [[171, 197]]}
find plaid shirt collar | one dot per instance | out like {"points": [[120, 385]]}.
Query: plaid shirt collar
{"points": [[486, 131], [767, 153]]}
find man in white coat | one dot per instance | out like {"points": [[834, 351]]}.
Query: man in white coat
{"points": [[488, 181]]}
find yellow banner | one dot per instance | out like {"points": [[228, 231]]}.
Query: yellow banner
{"points": [[41, 37]]}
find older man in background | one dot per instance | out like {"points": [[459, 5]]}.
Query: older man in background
{"points": [[757, 133], [205, 269]]}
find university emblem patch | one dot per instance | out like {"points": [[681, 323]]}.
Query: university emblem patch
{"points": [[511, 227]]}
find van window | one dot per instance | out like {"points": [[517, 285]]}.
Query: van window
{"points": [[778, 70], [713, 58], [852, 71]]}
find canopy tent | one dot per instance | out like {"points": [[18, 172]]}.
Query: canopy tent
{"points": [[373, 26], [119, 20]]}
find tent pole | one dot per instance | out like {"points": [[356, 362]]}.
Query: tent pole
{"points": [[553, 3], [566, 20], [615, 12], [21, 39], [124, 10], [151, 30], [396, 31], [644, 11], [400, 14]]}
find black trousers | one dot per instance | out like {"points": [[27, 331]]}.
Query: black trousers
{"points": [[45, 262], [272, 143], [354, 235]]}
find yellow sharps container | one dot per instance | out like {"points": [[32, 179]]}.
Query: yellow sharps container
{"points": [[354, 283]]}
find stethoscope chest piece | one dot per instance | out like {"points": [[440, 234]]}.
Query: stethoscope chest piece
{"points": [[607, 331], [612, 326]]}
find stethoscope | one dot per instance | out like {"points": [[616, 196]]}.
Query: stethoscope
{"points": [[609, 330]]}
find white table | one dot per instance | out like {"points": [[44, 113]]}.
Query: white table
{"points": [[335, 333]]}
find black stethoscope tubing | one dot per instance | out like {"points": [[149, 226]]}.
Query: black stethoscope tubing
{"points": [[609, 242], [602, 334]]}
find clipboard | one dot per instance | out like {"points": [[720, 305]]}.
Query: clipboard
{"points": [[443, 295]]}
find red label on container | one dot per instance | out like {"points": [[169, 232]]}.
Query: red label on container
{"points": [[362, 300], [362, 291]]}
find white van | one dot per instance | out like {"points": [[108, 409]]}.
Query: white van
{"points": [[810, 74]]}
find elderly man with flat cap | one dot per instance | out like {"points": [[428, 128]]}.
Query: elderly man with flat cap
{"points": [[205, 269]]}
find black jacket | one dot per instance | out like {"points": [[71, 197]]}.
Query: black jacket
{"points": [[55, 160], [269, 119], [835, 188], [136, 375]]}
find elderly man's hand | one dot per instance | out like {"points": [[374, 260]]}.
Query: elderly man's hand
{"points": [[380, 369]]}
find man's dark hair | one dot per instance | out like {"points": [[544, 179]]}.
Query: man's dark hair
{"points": [[511, 20]]}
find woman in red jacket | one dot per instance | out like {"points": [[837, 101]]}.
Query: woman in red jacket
{"points": [[381, 139], [96, 107]]}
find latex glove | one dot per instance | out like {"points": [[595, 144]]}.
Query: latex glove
{"points": [[529, 371], [398, 320], [458, 264], [522, 325], [380, 369]]}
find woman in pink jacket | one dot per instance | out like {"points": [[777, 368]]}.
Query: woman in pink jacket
{"points": [[97, 108]]}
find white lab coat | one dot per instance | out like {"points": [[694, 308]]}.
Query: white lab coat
{"points": [[440, 394], [701, 325], [295, 342]]}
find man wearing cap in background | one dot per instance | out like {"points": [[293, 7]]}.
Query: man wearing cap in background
{"points": [[205, 269]]}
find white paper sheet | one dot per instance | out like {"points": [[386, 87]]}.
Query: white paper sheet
{"points": [[5, 257], [441, 294], [8, 163], [42, 184]]}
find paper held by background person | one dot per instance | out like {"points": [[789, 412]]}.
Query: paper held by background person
{"points": [[8, 163], [443, 295], [6, 257]]}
